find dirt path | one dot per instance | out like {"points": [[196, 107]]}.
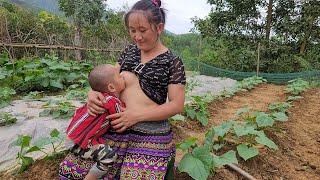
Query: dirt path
{"points": [[298, 139], [257, 99], [298, 156]]}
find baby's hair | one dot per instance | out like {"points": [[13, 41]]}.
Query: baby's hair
{"points": [[100, 77], [151, 9]]}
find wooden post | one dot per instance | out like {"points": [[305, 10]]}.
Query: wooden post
{"points": [[258, 59]]}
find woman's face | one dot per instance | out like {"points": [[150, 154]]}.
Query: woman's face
{"points": [[144, 34]]}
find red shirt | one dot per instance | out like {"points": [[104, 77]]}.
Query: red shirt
{"points": [[86, 130]]}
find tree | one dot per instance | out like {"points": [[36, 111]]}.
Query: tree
{"points": [[298, 22], [83, 13], [269, 19], [233, 17], [309, 23]]}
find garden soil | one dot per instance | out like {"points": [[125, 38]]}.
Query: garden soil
{"points": [[298, 139]]}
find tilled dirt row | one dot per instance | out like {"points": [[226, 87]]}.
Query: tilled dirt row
{"points": [[298, 139]]}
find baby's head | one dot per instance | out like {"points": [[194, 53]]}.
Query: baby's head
{"points": [[106, 78]]}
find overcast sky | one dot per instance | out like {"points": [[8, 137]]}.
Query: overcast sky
{"points": [[179, 12]]}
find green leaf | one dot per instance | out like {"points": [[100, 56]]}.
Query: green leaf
{"points": [[56, 114], [26, 161], [203, 154], [263, 139], [241, 130], [44, 83], [190, 112], [280, 116], [33, 149], [41, 142], [209, 137], [72, 76], [193, 166], [217, 146], [293, 98], [61, 66], [178, 117], [202, 118], [186, 144], [247, 152], [24, 141], [223, 129], [56, 83], [264, 120], [242, 110], [54, 133], [227, 158], [44, 113]]}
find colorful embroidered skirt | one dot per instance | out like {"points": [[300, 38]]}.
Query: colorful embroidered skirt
{"points": [[140, 156]]}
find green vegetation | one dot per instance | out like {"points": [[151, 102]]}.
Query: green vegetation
{"points": [[7, 119], [232, 31], [245, 135], [250, 83], [197, 106], [99, 29], [6, 94], [43, 74], [33, 95], [226, 41], [296, 86], [58, 109], [48, 5], [79, 94], [24, 142]]}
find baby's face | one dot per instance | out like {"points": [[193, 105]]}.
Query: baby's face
{"points": [[119, 82]]}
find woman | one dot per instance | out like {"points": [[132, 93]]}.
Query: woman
{"points": [[142, 137]]}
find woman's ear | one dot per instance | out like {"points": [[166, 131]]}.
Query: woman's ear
{"points": [[160, 28]]}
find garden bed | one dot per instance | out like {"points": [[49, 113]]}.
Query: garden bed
{"points": [[298, 138]]}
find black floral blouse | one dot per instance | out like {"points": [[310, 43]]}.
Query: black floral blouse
{"points": [[155, 75]]}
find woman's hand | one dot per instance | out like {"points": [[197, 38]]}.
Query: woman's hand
{"points": [[123, 120], [95, 103]]}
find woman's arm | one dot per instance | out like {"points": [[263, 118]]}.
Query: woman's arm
{"points": [[128, 118]]}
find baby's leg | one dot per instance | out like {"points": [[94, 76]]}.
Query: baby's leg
{"points": [[104, 157]]}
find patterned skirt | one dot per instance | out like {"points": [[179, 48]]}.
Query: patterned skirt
{"points": [[140, 156]]}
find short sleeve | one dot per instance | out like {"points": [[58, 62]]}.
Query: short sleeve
{"points": [[176, 72], [122, 57]]}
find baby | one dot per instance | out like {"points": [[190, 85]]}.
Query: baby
{"points": [[84, 131]]}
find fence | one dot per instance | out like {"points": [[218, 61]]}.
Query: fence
{"points": [[277, 78], [96, 55]]}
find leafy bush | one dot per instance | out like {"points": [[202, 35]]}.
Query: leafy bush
{"points": [[297, 86], [197, 109], [58, 109], [250, 83], [33, 95], [24, 142], [279, 106], [46, 74], [6, 119], [6, 96], [246, 133], [77, 94]]}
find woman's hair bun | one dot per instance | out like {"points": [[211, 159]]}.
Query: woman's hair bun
{"points": [[157, 2]]}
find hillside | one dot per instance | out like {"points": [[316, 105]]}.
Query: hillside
{"points": [[48, 5]]}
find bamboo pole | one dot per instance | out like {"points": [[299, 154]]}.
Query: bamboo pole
{"points": [[258, 59], [238, 170], [44, 46]]}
